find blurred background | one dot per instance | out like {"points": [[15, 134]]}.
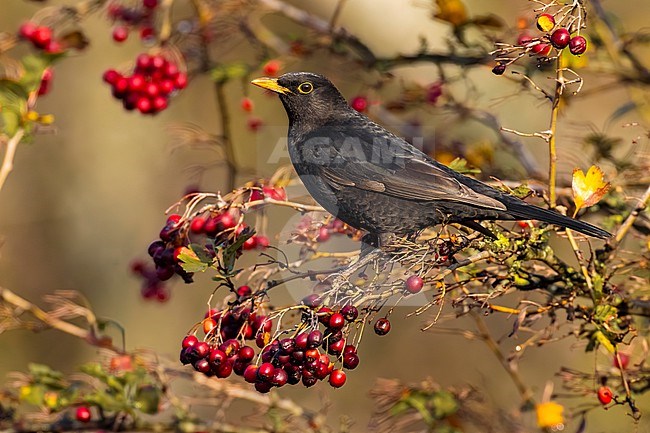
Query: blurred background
{"points": [[84, 201]]}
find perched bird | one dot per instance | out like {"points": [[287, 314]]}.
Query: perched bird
{"points": [[373, 180]]}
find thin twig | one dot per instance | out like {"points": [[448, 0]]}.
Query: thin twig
{"points": [[10, 153], [629, 221]]}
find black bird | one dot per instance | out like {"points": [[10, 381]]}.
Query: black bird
{"points": [[373, 180]]}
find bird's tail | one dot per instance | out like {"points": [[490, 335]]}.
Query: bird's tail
{"points": [[526, 211]]}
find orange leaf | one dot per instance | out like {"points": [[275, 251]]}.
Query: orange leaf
{"points": [[590, 189]]}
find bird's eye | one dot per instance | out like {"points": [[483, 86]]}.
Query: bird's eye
{"points": [[306, 88]]}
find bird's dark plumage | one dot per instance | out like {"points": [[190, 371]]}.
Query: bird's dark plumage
{"points": [[376, 181]]}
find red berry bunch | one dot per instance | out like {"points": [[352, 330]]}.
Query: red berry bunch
{"points": [[309, 356], [127, 18], [42, 37], [557, 35], [148, 89]]}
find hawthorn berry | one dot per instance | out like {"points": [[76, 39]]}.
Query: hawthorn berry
{"points": [[337, 378], [272, 67], [624, 361], [337, 321], [414, 284], [350, 312], [434, 91], [254, 124], [499, 69], [323, 234], [83, 414], [120, 34], [577, 45], [250, 374], [263, 387], [265, 371], [315, 339], [560, 38], [246, 104], [359, 103], [542, 49], [605, 395], [189, 341], [41, 37], [350, 361], [150, 4], [382, 326], [27, 29], [545, 22], [524, 39]]}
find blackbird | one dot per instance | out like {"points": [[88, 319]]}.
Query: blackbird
{"points": [[373, 180]]}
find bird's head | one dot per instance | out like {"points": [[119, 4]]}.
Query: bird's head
{"points": [[306, 97]]}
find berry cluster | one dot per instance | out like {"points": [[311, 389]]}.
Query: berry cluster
{"points": [[42, 37], [556, 36], [150, 86], [318, 344], [130, 18]]}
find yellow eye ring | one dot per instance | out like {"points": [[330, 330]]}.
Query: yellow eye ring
{"points": [[306, 88]]}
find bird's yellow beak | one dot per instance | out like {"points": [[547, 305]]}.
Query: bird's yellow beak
{"points": [[271, 84]]}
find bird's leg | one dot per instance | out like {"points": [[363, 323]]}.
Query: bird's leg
{"points": [[370, 251]]}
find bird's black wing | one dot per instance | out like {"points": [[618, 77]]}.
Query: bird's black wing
{"points": [[391, 166]]}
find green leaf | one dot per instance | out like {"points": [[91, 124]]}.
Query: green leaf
{"points": [[33, 66], [225, 72], [602, 339], [460, 165], [444, 404], [190, 261], [230, 251], [147, 399], [13, 102]]}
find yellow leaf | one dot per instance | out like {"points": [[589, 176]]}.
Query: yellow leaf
{"points": [[590, 189], [549, 415], [452, 11]]}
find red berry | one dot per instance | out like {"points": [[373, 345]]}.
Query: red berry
{"points": [[275, 193], [434, 92], [499, 69], [625, 360], [560, 38], [350, 361], [180, 82], [54, 47], [263, 387], [150, 4], [350, 312], [262, 242], [143, 62], [337, 378], [82, 414], [246, 353], [250, 243], [265, 372], [158, 62], [524, 39], [545, 22], [382, 326], [189, 341], [254, 124], [323, 234], [577, 45], [272, 67], [166, 87], [144, 105], [151, 89], [247, 104], [337, 321], [359, 103], [224, 370], [202, 366], [121, 85], [111, 76], [42, 36], [201, 349], [136, 82], [312, 300], [414, 284], [46, 79], [250, 374], [243, 291], [173, 219], [120, 33], [542, 49], [27, 30], [279, 377], [147, 33], [605, 395], [159, 103]]}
